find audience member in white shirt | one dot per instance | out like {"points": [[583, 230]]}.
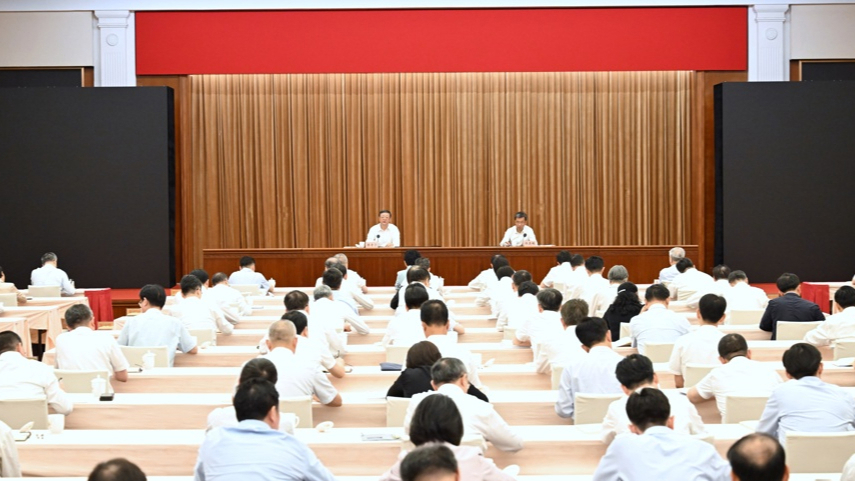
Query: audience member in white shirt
{"points": [[699, 346], [503, 288], [542, 328], [438, 424], [434, 316], [743, 297], [488, 276], [565, 348], [595, 282], [658, 452], [311, 351], [759, 456], [298, 301], [575, 282], [593, 373], [10, 466], [560, 272], [449, 377], [247, 275], [50, 275], [505, 304], [354, 276], [298, 377], [806, 403], [657, 323], [720, 286], [335, 280], [410, 257], [520, 233], [82, 349], [603, 298], [406, 329], [153, 328], [520, 308], [384, 233], [260, 368], [837, 326], [352, 289], [195, 313], [635, 372], [668, 274], [229, 300], [689, 282], [22, 378], [739, 374], [333, 317]]}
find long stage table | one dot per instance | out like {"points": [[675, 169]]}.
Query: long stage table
{"points": [[457, 265]]}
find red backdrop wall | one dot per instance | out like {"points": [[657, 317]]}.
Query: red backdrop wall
{"points": [[482, 40]]}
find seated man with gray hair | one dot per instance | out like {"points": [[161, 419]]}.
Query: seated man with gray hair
{"points": [[603, 298], [669, 273], [449, 377], [332, 318]]}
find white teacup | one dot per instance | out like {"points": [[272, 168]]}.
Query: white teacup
{"points": [[56, 423], [148, 360], [288, 422], [361, 244]]}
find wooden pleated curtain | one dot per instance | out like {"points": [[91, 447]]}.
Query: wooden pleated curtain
{"points": [[309, 160]]}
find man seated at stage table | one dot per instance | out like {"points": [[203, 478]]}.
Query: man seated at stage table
{"points": [[519, 233], [789, 307], [82, 349], [255, 449], [668, 274], [657, 323], [738, 374], [384, 233], [806, 403], [22, 378], [259, 368], [154, 328], [449, 377], [434, 315], [352, 289], [50, 275], [117, 469], [840, 325], [406, 329], [592, 373], [741, 296], [701, 345], [658, 452], [229, 300], [247, 275], [309, 350], [488, 276], [195, 313], [559, 272], [9, 287], [410, 257], [635, 372], [301, 379], [758, 456]]}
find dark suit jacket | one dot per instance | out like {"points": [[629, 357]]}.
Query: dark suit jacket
{"points": [[415, 380], [789, 307]]}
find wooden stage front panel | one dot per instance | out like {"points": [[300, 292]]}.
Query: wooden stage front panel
{"points": [[458, 265]]}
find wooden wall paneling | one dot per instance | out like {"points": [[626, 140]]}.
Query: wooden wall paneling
{"points": [[458, 265], [88, 76], [795, 70], [183, 245]]}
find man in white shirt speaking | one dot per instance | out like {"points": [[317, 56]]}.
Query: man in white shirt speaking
{"points": [[384, 233], [82, 349], [520, 233], [50, 275]]}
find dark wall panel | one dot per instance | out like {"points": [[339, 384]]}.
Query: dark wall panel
{"points": [[87, 173], [785, 155]]}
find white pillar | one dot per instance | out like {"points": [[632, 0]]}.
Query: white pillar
{"points": [[769, 43], [115, 60]]}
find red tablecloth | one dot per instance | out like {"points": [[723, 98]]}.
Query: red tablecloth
{"points": [[101, 303], [818, 294]]}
